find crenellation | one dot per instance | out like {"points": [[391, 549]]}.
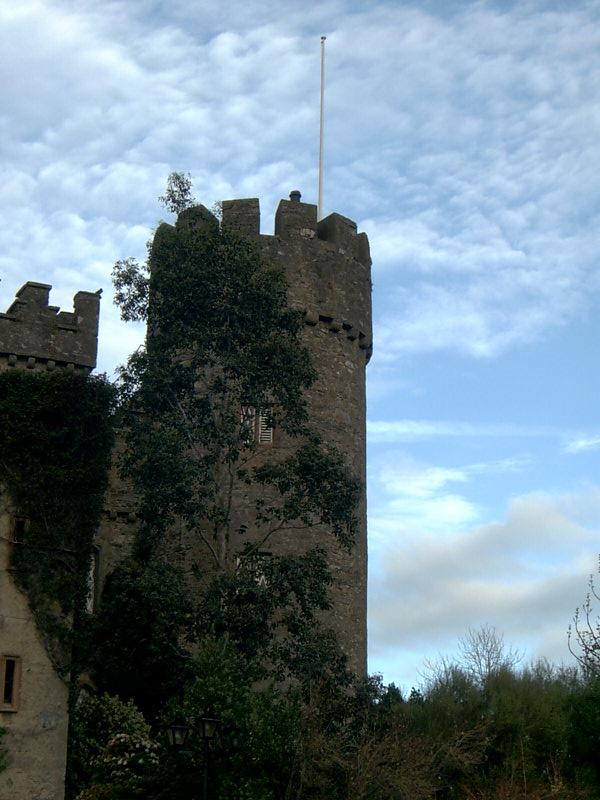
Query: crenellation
{"points": [[340, 232], [242, 216], [196, 218], [34, 294], [295, 219], [37, 335]]}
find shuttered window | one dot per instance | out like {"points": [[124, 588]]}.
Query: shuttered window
{"points": [[256, 427], [265, 430]]}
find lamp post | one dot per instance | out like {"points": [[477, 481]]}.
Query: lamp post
{"points": [[209, 728], [178, 733]]}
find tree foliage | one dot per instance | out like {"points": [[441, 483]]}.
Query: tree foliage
{"points": [[137, 638], [95, 722], [56, 434], [178, 194], [584, 633], [223, 346]]}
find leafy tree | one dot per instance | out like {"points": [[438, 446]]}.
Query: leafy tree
{"points": [[223, 345], [584, 732], [178, 194], [135, 641], [257, 735]]}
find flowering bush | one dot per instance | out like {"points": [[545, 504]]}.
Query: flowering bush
{"points": [[127, 757], [122, 768], [106, 729]]}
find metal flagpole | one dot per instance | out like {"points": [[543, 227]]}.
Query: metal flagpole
{"points": [[321, 127]]}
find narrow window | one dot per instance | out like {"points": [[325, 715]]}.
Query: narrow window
{"points": [[10, 678], [18, 529]]}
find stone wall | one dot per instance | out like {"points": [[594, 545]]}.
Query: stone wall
{"points": [[36, 737], [37, 336], [328, 268]]}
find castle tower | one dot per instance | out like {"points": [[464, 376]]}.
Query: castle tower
{"points": [[328, 268], [33, 698]]}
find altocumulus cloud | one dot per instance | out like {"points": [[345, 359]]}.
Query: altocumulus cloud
{"points": [[461, 136]]}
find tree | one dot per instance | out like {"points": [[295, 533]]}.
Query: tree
{"points": [[483, 653], [178, 194], [584, 634], [223, 347], [137, 638]]}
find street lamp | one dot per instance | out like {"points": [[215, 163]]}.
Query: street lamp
{"points": [[208, 727], [178, 733]]}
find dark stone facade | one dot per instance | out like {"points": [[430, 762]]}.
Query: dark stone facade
{"points": [[328, 268], [35, 335], [329, 274]]}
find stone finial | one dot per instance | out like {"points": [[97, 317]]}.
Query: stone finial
{"points": [[295, 196]]}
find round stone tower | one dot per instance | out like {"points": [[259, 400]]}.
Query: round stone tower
{"points": [[328, 267]]}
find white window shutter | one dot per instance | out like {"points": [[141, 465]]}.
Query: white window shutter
{"points": [[248, 422], [265, 431]]}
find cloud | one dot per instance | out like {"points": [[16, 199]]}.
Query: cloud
{"points": [[524, 574], [410, 430], [582, 444], [466, 159], [415, 499]]}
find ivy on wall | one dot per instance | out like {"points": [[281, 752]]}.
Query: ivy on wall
{"points": [[56, 435]]}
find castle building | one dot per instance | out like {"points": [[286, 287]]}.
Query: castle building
{"points": [[327, 264], [33, 697]]}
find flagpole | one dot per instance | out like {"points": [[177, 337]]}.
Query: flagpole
{"points": [[321, 128]]}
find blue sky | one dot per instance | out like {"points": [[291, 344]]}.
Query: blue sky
{"points": [[464, 138]]}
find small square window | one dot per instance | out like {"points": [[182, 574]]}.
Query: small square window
{"points": [[18, 529], [10, 682]]}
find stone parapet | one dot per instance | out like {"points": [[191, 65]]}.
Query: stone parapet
{"points": [[36, 335]]}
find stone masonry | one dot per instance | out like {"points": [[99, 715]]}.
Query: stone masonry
{"points": [[37, 336], [328, 268]]}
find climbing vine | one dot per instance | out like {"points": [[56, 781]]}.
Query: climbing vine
{"points": [[56, 434]]}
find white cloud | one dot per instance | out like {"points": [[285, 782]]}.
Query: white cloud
{"points": [[582, 443], [404, 430], [525, 575]]}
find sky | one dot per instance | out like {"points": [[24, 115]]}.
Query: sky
{"points": [[464, 138]]}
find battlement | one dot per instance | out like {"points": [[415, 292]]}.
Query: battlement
{"points": [[36, 335], [328, 263], [296, 219]]}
